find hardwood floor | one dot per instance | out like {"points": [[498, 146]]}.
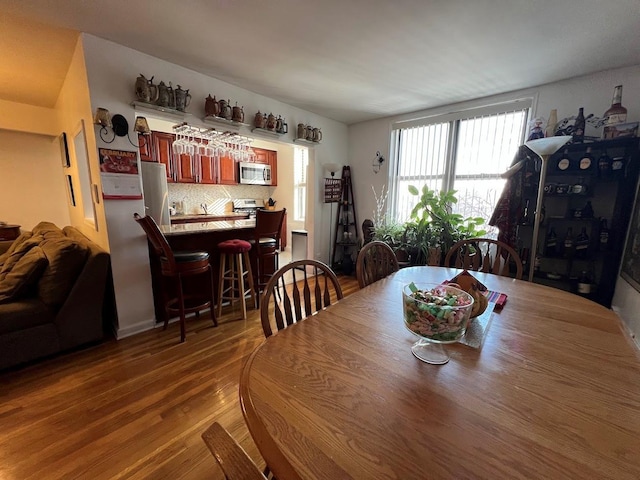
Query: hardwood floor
{"points": [[130, 409]]}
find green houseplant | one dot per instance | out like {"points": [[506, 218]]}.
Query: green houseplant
{"points": [[433, 225]]}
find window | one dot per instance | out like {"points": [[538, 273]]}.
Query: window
{"points": [[300, 165], [465, 152]]}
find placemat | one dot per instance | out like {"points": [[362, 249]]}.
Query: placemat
{"points": [[477, 330]]}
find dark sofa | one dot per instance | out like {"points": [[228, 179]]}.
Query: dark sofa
{"points": [[63, 307]]}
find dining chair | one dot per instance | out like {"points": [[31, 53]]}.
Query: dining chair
{"points": [[376, 260], [176, 266], [484, 255], [265, 245], [313, 287], [233, 460]]}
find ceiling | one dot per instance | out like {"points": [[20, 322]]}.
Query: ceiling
{"points": [[350, 60]]}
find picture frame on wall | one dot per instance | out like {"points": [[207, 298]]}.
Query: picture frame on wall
{"points": [[64, 151]]}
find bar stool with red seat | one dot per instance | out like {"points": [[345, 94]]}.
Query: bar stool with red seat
{"points": [[178, 265], [234, 267]]}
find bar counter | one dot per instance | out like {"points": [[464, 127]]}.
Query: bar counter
{"points": [[206, 227]]}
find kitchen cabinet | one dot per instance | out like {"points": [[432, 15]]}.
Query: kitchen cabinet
{"points": [[162, 149], [187, 169], [228, 171], [576, 251], [145, 145], [268, 157], [208, 170]]}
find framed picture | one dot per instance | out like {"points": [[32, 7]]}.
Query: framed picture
{"points": [[71, 195], [64, 151]]}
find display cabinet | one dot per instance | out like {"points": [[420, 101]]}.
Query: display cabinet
{"points": [[589, 192]]}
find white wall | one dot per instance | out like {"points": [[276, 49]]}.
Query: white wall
{"points": [[593, 92], [32, 183], [112, 70]]}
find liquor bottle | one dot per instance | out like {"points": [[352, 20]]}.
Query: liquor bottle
{"points": [[568, 243], [617, 166], [604, 165], [578, 127], [616, 113], [551, 243], [604, 235], [525, 218], [550, 131], [564, 164], [582, 244], [584, 284], [586, 161], [587, 210]]}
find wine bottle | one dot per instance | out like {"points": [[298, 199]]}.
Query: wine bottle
{"points": [[584, 284], [582, 244], [617, 166], [550, 131], [604, 235], [616, 112], [524, 218], [568, 243], [578, 127], [564, 163], [604, 165], [551, 243], [587, 210], [586, 161]]}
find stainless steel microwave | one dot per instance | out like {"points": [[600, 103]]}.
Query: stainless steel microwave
{"points": [[255, 173]]}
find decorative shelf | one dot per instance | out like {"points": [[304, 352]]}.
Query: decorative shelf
{"points": [[157, 108], [224, 122], [305, 141], [264, 131]]}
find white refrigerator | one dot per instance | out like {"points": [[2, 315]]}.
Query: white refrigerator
{"points": [[155, 192]]}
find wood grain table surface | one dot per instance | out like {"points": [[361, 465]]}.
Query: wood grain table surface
{"points": [[553, 393]]}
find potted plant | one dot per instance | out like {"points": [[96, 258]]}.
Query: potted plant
{"points": [[434, 226]]}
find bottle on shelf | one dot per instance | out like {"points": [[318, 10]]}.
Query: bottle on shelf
{"points": [[536, 263], [525, 218], [578, 127], [568, 243], [617, 166], [543, 213], [616, 112], [550, 131], [580, 187], [603, 244], [586, 161], [584, 284], [604, 165], [582, 244], [551, 243], [587, 210], [564, 164]]}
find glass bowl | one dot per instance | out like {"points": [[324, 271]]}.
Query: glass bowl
{"points": [[437, 314]]}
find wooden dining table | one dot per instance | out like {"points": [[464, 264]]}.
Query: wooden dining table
{"points": [[553, 392]]}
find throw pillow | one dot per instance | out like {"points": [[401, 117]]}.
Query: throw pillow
{"points": [[18, 253], [21, 238], [24, 274], [66, 260]]}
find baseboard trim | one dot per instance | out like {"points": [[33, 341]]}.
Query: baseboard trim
{"points": [[134, 329]]}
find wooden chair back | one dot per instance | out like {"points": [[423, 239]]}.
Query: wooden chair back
{"points": [[376, 260], [484, 255], [231, 457], [269, 224], [283, 305], [158, 242]]}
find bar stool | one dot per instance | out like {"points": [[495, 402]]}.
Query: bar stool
{"points": [[235, 266], [178, 265], [265, 245]]}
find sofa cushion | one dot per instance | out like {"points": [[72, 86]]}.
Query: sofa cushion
{"points": [[24, 274], [17, 253], [47, 230], [21, 238], [23, 314], [66, 259]]}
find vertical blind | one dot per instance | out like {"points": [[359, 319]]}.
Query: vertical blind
{"points": [[466, 154]]}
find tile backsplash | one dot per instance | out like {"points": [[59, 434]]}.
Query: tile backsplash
{"points": [[218, 198]]}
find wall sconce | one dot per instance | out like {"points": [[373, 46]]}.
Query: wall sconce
{"points": [[377, 162], [119, 125], [142, 128]]}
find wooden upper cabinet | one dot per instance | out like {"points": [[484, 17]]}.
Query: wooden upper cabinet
{"points": [[145, 144], [162, 143], [228, 171], [208, 170], [268, 157], [187, 169]]}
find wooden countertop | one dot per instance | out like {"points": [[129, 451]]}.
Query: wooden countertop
{"points": [[208, 217], [204, 227]]}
